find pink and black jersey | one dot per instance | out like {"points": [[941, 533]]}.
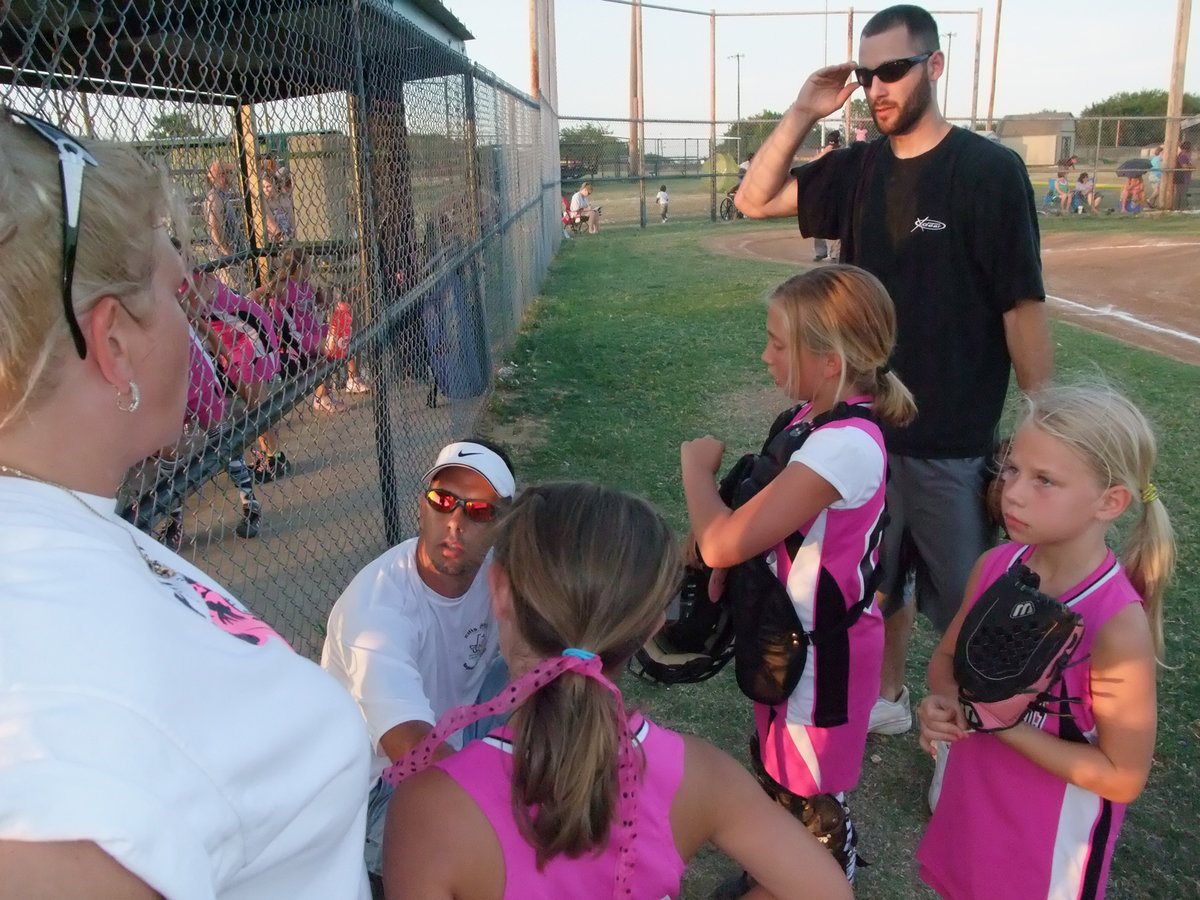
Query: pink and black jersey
{"points": [[814, 742], [1005, 827], [484, 770], [250, 344]]}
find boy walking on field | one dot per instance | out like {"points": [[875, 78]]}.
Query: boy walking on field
{"points": [[662, 199]]}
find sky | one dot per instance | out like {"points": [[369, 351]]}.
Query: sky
{"points": [[1053, 54]]}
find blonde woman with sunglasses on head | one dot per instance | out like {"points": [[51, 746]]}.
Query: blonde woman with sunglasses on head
{"points": [[156, 739]]}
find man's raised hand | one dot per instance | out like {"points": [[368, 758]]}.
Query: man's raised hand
{"points": [[826, 90]]}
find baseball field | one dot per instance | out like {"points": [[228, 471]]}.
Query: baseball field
{"points": [[643, 339]]}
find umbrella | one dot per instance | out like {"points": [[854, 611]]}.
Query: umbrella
{"points": [[1132, 168], [727, 172]]}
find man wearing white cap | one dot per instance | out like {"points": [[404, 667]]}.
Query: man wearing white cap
{"points": [[414, 635]]}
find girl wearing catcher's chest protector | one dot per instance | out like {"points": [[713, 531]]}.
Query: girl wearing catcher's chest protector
{"points": [[1034, 810], [830, 332]]}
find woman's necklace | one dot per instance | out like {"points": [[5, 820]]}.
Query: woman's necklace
{"points": [[153, 565]]}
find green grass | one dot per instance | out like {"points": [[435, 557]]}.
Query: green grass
{"points": [[643, 340]]}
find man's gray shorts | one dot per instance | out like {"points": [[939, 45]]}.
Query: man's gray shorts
{"points": [[377, 803], [937, 529]]}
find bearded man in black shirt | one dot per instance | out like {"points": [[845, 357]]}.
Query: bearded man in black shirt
{"points": [[946, 220]]}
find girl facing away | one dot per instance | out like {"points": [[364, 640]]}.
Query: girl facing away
{"points": [[576, 798], [1035, 810], [830, 332]]}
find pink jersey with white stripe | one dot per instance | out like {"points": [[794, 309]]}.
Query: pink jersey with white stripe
{"points": [[1005, 827], [814, 742], [484, 770], [206, 399], [296, 318], [247, 333]]}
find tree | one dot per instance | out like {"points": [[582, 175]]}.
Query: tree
{"points": [[745, 137], [589, 145], [1124, 105], [174, 125]]}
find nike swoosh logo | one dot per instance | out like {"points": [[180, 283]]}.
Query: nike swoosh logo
{"points": [[463, 453]]}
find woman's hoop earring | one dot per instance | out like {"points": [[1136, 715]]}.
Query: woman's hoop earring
{"points": [[135, 398]]}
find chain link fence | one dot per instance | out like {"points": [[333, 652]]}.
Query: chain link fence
{"points": [[679, 155], [389, 208]]}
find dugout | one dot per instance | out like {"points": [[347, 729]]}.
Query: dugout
{"points": [[373, 67]]}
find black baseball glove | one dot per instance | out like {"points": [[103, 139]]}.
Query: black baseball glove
{"points": [[1014, 644]]}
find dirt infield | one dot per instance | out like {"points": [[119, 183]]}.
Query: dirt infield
{"points": [[1143, 291]]}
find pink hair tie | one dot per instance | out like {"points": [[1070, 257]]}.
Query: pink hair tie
{"points": [[588, 664]]}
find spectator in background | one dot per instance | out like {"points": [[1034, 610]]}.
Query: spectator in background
{"points": [[1183, 174], [662, 200], [1133, 195], [225, 221], [860, 133], [1067, 163], [1154, 176], [582, 205], [1064, 190], [823, 249], [277, 209], [1087, 198]]}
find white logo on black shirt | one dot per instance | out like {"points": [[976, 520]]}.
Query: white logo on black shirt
{"points": [[928, 224]]}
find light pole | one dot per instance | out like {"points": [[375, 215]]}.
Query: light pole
{"points": [[738, 57], [949, 36]]}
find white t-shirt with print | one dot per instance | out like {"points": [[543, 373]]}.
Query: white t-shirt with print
{"points": [[149, 713], [405, 652]]}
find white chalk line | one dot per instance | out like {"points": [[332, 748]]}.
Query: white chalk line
{"points": [[1154, 245], [1122, 316]]}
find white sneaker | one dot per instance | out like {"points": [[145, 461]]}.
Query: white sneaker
{"points": [[356, 386], [891, 716], [939, 771]]}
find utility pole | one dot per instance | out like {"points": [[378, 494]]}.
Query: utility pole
{"points": [[738, 58], [1175, 106], [995, 60], [949, 36]]}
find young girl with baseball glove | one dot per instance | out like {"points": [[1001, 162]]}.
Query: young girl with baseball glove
{"points": [[802, 552], [1033, 796]]}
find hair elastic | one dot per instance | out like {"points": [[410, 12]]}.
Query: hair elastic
{"points": [[586, 663], [885, 368], [1150, 493]]}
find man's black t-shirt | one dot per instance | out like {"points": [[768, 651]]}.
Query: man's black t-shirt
{"points": [[953, 236]]}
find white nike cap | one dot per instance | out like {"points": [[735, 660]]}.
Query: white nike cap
{"points": [[478, 458]]}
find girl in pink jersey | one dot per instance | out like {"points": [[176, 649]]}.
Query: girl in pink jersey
{"points": [[575, 798], [830, 332], [1034, 810]]}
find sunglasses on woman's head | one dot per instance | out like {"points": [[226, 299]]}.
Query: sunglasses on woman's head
{"points": [[891, 71], [445, 502], [72, 157]]}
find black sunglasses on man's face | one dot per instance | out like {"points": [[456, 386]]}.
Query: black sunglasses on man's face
{"points": [[891, 71], [72, 157]]}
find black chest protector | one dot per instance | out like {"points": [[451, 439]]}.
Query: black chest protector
{"points": [[754, 622], [770, 645]]}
